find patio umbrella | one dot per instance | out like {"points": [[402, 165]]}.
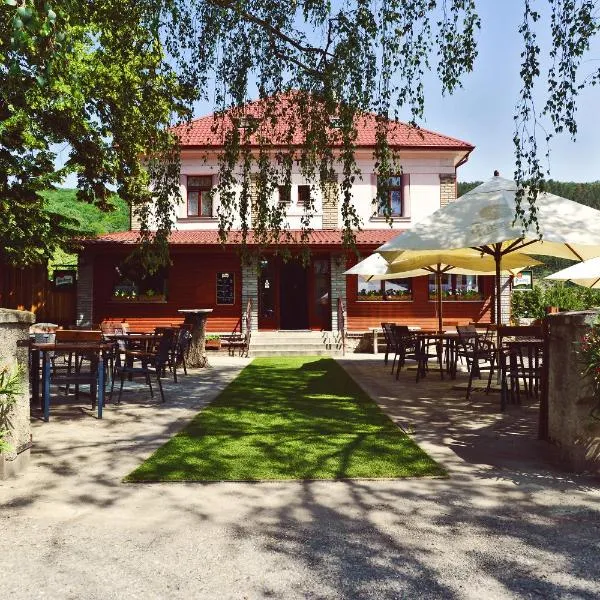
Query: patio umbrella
{"points": [[418, 263], [586, 274], [484, 219]]}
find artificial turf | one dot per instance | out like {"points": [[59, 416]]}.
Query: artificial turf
{"points": [[288, 418]]}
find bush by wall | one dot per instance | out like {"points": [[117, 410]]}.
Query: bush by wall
{"points": [[565, 296]]}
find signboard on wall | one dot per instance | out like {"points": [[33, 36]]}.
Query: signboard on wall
{"points": [[64, 279], [225, 288], [523, 280]]}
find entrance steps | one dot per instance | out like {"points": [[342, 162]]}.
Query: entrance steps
{"points": [[295, 343]]}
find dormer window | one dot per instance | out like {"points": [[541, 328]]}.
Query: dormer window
{"points": [[199, 196]]}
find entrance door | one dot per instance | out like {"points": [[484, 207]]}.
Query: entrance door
{"points": [[293, 297], [267, 294]]}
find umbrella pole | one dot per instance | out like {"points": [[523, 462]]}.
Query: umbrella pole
{"points": [[498, 259], [438, 285]]}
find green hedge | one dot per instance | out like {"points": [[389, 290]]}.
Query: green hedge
{"points": [[565, 296]]}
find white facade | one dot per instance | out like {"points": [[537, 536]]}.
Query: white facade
{"points": [[421, 192]]}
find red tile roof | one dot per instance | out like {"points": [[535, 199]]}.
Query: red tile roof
{"points": [[209, 131], [322, 237]]}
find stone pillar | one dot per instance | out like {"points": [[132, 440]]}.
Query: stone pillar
{"points": [[330, 204], [570, 395], [250, 291], [338, 286], [85, 291], [14, 327], [447, 189]]}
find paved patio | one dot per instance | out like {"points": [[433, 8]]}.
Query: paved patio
{"points": [[507, 523]]}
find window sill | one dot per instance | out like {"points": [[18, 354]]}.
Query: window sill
{"points": [[398, 219], [137, 301], [384, 301], [457, 300], [197, 219]]}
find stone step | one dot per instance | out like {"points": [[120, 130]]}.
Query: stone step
{"points": [[291, 352]]}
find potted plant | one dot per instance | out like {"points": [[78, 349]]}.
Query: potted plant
{"points": [[213, 342]]}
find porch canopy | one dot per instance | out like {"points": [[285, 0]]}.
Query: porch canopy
{"points": [[586, 274], [484, 219], [432, 262]]}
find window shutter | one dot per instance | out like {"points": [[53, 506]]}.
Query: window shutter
{"points": [[406, 195]]}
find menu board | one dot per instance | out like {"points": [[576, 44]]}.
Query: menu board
{"points": [[225, 288]]}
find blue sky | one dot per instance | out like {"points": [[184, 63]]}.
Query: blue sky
{"points": [[482, 111]]}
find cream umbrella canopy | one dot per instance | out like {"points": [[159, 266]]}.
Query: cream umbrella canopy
{"points": [[586, 274], [484, 219], [415, 264]]}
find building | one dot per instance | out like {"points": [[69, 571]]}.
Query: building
{"points": [[286, 295]]}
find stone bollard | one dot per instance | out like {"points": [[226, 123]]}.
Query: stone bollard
{"points": [[14, 327], [570, 395]]}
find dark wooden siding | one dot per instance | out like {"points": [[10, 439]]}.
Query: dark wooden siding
{"points": [[191, 284], [30, 289]]}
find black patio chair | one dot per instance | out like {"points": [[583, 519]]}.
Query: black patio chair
{"points": [[406, 345], [479, 353], [389, 342], [145, 363]]}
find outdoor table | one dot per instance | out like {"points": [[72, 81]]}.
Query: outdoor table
{"points": [[445, 346], [196, 317], [95, 350]]}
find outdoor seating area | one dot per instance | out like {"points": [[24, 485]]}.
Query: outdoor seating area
{"points": [[510, 359], [68, 363]]}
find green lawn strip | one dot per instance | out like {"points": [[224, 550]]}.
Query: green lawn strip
{"points": [[288, 418]]}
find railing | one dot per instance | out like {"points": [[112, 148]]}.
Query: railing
{"points": [[248, 317], [341, 323]]}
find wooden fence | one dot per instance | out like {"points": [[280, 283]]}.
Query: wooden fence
{"points": [[30, 289]]}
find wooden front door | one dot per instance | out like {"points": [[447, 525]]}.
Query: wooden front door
{"points": [[293, 297]]}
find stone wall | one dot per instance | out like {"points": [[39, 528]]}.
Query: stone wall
{"points": [[338, 287], [447, 189], [14, 327], [570, 395], [250, 292], [330, 205]]}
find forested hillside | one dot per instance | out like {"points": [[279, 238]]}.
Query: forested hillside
{"points": [[92, 221]]}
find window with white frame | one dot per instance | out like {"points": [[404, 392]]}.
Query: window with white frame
{"points": [[199, 196], [457, 287], [388, 290]]}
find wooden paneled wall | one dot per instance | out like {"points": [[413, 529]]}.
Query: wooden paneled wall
{"points": [[29, 289], [191, 284], [420, 311]]}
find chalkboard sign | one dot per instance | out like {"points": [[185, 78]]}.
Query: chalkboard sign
{"points": [[225, 288]]}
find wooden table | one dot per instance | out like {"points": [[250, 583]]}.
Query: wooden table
{"points": [[95, 350], [445, 348], [196, 317]]}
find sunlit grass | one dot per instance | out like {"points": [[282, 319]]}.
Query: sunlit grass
{"points": [[288, 418]]}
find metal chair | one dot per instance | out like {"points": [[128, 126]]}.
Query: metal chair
{"points": [[151, 362]]}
